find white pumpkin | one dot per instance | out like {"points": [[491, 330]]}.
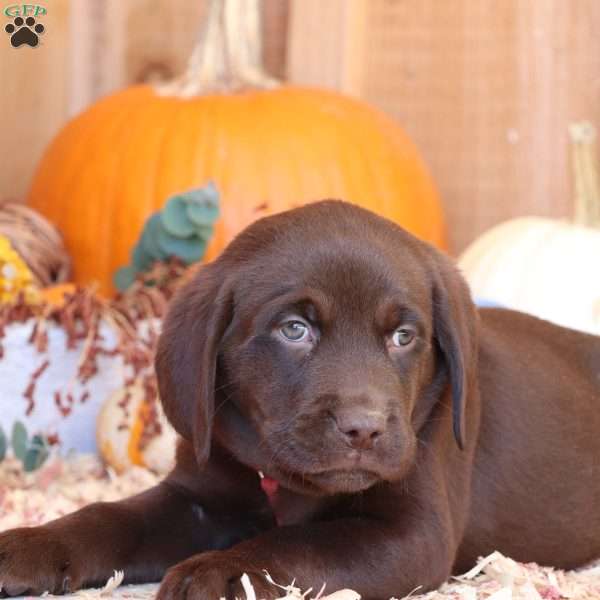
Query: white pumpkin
{"points": [[545, 267], [132, 431]]}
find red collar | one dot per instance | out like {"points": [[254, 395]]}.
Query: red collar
{"points": [[269, 487], [288, 507]]}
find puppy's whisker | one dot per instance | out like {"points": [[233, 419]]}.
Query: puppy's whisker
{"points": [[221, 405], [228, 384]]}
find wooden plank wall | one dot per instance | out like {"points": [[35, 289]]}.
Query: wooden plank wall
{"points": [[33, 97], [486, 89]]}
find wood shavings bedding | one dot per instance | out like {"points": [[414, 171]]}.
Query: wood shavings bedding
{"points": [[63, 486]]}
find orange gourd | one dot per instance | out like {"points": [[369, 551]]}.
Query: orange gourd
{"points": [[122, 432], [55, 294], [267, 147]]}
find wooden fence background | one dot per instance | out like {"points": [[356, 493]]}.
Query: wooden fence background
{"points": [[485, 88]]}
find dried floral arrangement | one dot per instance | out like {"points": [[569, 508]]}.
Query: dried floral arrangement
{"points": [[55, 340], [133, 315]]}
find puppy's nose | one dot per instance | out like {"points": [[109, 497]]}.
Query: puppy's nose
{"points": [[360, 428]]}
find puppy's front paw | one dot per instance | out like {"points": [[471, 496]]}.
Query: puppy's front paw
{"points": [[214, 575], [33, 560]]}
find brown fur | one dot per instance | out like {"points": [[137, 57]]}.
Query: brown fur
{"points": [[396, 465]]}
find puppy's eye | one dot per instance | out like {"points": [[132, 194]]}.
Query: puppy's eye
{"points": [[403, 336], [295, 331]]}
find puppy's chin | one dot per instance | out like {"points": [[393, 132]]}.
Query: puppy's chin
{"points": [[335, 480], [326, 483], [342, 481], [345, 472]]}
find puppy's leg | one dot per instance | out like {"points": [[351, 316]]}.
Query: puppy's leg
{"points": [[410, 541], [142, 535]]}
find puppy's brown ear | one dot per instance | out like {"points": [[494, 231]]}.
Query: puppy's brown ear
{"points": [[186, 358], [455, 329]]}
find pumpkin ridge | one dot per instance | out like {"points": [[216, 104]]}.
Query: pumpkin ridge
{"points": [[82, 127], [71, 159], [367, 164], [195, 174], [201, 173], [90, 175], [78, 163], [295, 159], [137, 172], [164, 140], [111, 190]]}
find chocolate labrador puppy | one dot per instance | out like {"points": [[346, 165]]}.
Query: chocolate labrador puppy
{"points": [[400, 433]]}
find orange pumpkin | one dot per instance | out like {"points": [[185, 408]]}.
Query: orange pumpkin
{"points": [[267, 148]]}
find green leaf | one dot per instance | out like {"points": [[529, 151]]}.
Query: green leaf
{"points": [[19, 440], [205, 232], [3, 444], [38, 441], [139, 259], [36, 454], [34, 459], [211, 193], [149, 240], [175, 218], [124, 277], [207, 194], [203, 204], [189, 250], [202, 214]]}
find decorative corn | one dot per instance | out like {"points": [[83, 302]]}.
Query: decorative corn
{"points": [[15, 276]]}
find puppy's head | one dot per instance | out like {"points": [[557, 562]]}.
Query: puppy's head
{"points": [[319, 348]]}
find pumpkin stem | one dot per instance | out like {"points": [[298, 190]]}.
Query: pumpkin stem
{"points": [[585, 171], [228, 55]]}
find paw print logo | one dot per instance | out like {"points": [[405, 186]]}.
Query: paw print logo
{"points": [[24, 31]]}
